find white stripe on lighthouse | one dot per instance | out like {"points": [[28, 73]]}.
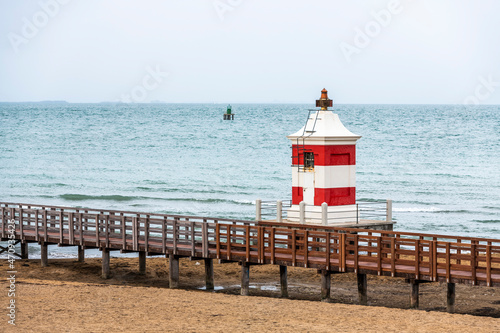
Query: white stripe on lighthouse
{"points": [[333, 176], [330, 176]]}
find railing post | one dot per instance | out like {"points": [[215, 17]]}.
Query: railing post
{"points": [[204, 236], [174, 235], [124, 232], [488, 265], [342, 250], [217, 239], [97, 230], [357, 213], [389, 210], [228, 242], [473, 262], [258, 210], [279, 211], [417, 259], [247, 242], [324, 213], [435, 260], [3, 222], [71, 228], [448, 262], [302, 209], [393, 257], [37, 236], [21, 223]]}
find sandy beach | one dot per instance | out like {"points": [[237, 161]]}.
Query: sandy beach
{"points": [[69, 296]]}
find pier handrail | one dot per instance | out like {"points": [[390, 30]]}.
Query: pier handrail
{"points": [[131, 213], [376, 210], [381, 232]]}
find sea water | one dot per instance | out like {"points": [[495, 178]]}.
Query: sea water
{"points": [[440, 164]]}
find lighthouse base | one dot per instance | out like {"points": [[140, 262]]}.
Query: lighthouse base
{"points": [[334, 215]]}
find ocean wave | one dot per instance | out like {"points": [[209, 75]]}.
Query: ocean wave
{"points": [[82, 197], [415, 209], [456, 211], [50, 185], [210, 200], [416, 202], [428, 210], [187, 190], [115, 197], [371, 200], [487, 221]]}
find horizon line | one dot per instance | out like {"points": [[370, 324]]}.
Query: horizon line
{"points": [[224, 103]]}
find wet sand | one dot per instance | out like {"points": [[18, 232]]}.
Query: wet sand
{"points": [[71, 296]]}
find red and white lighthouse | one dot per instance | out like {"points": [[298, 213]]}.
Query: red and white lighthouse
{"points": [[323, 169]]}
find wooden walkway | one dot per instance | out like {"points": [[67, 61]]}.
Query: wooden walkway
{"points": [[414, 256]]}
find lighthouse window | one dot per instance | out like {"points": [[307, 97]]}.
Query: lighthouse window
{"points": [[308, 160]]}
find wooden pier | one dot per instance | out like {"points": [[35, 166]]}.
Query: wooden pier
{"points": [[417, 257]]}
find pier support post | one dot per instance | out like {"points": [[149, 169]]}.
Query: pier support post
{"points": [[414, 298], [81, 254], [245, 278], [106, 272], [362, 289], [450, 298], [325, 285], [173, 271], [24, 250], [142, 262], [284, 281], [44, 254], [209, 274]]}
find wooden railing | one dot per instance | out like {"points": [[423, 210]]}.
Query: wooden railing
{"points": [[416, 256], [350, 251]]}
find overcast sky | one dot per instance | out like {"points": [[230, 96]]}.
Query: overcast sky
{"points": [[259, 51]]}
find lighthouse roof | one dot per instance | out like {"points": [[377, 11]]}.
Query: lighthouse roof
{"points": [[324, 126]]}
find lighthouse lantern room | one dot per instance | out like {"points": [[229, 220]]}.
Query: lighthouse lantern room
{"points": [[323, 169]]}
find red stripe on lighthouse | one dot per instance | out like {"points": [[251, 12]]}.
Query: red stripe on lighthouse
{"points": [[326, 155], [335, 196], [297, 195], [332, 196]]}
